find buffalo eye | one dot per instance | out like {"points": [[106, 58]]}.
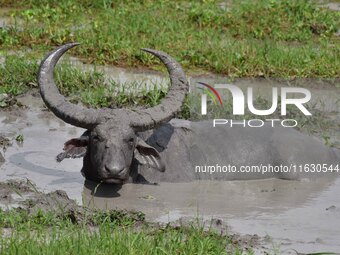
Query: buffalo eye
{"points": [[95, 137]]}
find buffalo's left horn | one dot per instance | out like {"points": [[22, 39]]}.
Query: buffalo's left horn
{"points": [[172, 103]]}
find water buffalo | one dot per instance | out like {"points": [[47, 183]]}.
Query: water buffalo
{"points": [[127, 145]]}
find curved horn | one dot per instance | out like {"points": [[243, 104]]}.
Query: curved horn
{"points": [[171, 104], [73, 114]]}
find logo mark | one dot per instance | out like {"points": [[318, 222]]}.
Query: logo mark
{"points": [[238, 99], [212, 92]]}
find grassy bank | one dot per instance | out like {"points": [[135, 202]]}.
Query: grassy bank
{"points": [[111, 232], [292, 38], [18, 75]]}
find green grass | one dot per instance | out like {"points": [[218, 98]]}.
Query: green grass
{"points": [[112, 232], [18, 75], [292, 38]]}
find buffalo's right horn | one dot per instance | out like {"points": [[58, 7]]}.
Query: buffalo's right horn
{"points": [[71, 113]]}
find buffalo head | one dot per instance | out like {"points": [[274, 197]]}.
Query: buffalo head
{"points": [[110, 143]]}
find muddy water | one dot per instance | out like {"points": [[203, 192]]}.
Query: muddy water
{"points": [[287, 214], [5, 20], [333, 6], [44, 136], [299, 215]]}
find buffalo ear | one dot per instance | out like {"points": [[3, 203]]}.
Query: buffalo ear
{"points": [[74, 148], [148, 155]]}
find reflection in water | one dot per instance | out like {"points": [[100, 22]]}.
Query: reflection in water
{"points": [[19, 160], [101, 190]]}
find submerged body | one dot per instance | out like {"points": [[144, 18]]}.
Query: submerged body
{"points": [[189, 149]]}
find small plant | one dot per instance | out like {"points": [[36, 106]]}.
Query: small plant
{"points": [[19, 138]]}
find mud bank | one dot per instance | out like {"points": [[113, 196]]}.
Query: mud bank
{"points": [[23, 196]]}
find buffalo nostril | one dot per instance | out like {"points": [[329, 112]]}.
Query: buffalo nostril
{"points": [[114, 170]]}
